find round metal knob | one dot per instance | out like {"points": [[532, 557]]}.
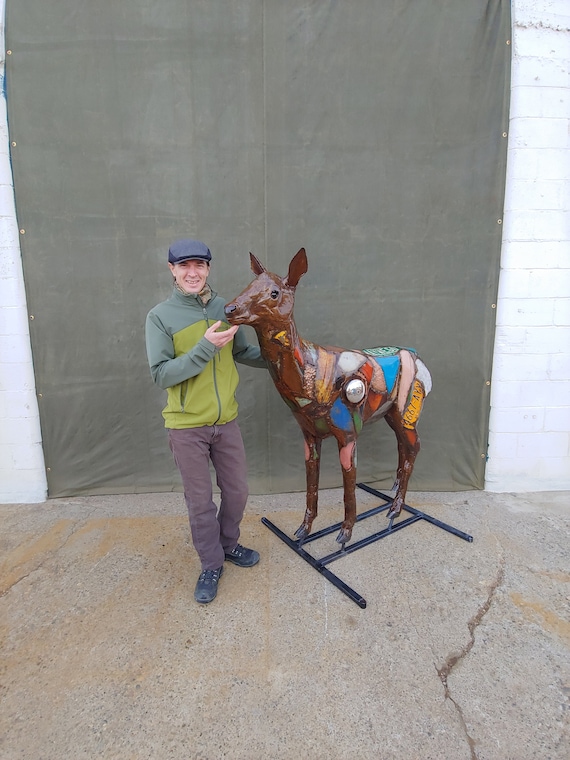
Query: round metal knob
{"points": [[355, 391]]}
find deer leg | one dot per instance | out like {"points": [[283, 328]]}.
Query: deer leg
{"points": [[400, 470], [408, 448], [347, 456], [312, 467]]}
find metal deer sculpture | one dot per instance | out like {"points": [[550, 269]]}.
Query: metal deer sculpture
{"points": [[333, 391]]}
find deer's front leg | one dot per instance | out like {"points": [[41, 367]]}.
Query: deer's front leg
{"points": [[312, 468], [347, 456]]}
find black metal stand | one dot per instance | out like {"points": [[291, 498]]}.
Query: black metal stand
{"points": [[320, 564]]}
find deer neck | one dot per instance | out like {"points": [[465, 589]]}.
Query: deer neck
{"points": [[282, 347], [279, 339]]}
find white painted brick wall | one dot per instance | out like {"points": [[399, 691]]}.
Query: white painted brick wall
{"points": [[22, 472], [529, 436]]}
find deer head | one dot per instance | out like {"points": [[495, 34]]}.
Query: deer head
{"points": [[269, 299]]}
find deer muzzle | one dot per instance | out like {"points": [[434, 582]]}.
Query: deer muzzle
{"points": [[232, 313]]}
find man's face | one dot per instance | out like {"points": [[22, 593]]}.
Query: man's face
{"points": [[191, 275]]}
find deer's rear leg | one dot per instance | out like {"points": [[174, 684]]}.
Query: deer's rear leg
{"points": [[400, 470], [408, 448], [312, 467]]}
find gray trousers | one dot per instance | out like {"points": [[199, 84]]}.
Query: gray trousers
{"points": [[213, 531]]}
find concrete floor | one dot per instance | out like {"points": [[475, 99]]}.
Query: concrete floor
{"points": [[463, 650]]}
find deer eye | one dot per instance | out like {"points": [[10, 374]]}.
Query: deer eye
{"points": [[274, 294]]}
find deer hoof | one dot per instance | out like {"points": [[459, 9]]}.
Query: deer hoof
{"points": [[344, 536], [302, 532]]}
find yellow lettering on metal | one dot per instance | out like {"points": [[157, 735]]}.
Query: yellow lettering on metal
{"points": [[414, 406]]}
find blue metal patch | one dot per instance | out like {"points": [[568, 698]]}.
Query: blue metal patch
{"points": [[390, 366], [340, 416]]}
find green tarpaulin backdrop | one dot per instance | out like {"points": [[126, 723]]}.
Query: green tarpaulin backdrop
{"points": [[372, 133]]}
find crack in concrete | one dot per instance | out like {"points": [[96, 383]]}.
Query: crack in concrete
{"points": [[49, 555], [452, 660], [21, 578]]}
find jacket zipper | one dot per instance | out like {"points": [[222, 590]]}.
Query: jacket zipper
{"points": [[214, 371]]}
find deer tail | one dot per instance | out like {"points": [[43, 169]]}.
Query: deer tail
{"points": [[412, 371], [423, 375]]}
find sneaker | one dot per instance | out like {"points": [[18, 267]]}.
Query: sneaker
{"points": [[207, 585], [243, 557]]}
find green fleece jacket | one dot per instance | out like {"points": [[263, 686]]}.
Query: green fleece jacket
{"points": [[200, 379]]}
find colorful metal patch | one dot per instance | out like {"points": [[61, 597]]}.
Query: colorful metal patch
{"points": [[390, 366], [414, 407], [340, 415], [381, 351]]}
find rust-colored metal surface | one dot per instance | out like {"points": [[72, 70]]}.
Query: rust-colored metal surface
{"points": [[333, 391]]}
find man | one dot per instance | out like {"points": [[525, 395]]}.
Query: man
{"points": [[192, 352]]}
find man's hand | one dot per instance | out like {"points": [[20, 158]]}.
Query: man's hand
{"points": [[219, 339]]}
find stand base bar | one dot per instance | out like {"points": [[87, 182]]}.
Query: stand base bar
{"points": [[334, 579], [320, 564], [422, 515], [368, 540], [336, 526]]}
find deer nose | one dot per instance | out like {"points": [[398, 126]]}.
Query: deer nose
{"points": [[230, 309]]}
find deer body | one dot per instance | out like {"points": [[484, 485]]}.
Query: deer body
{"points": [[333, 391]]}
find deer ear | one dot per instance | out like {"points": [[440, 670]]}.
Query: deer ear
{"points": [[297, 268], [256, 266]]}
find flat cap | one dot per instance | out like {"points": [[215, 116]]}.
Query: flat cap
{"points": [[184, 250]]}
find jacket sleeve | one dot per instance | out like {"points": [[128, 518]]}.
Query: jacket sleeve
{"points": [[245, 353], [165, 368]]}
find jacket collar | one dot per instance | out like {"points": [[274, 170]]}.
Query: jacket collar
{"points": [[199, 299]]}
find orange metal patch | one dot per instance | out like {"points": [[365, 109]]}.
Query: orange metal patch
{"points": [[367, 370]]}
